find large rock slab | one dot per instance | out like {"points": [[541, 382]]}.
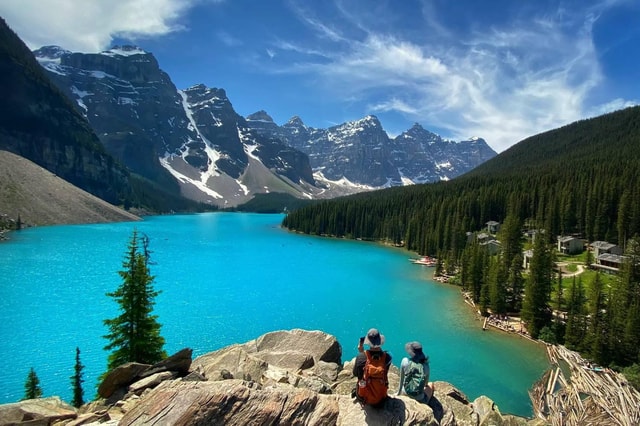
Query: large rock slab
{"points": [[299, 352], [321, 346], [41, 411], [236, 402]]}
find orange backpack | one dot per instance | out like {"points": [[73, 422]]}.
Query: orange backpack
{"points": [[372, 389]]}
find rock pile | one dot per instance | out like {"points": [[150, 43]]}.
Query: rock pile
{"points": [[293, 377]]}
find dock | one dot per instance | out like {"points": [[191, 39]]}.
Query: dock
{"points": [[591, 395]]}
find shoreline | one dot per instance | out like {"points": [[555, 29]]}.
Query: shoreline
{"points": [[505, 323]]}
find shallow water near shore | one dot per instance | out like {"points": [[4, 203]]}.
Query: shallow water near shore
{"points": [[228, 278]]}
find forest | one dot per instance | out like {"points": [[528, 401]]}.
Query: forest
{"points": [[579, 180]]}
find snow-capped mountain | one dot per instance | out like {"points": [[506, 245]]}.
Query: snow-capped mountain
{"points": [[194, 141], [362, 153]]}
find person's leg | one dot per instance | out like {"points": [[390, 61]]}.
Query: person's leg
{"points": [[429, 389]]}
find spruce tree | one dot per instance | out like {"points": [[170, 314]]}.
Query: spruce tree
{"points": [[134, 335], [576, 316], [32, 387], [76, 382], [595, 339], [515, 284], [535, 306]]}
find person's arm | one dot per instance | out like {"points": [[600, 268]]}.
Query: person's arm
{"points": [[358, 365], [403, 365]]}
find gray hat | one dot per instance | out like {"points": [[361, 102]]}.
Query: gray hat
{"points": [[374, 339], [414, 349]]}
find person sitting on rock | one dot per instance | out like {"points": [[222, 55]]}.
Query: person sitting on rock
{"points": [[371, 368], [414, 374]]}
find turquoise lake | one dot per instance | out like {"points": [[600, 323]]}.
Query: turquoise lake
{"points": [[228, 278]]}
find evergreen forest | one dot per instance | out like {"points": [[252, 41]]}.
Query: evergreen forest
{"points": [[578, 180]]}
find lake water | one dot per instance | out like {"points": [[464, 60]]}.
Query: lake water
{"points": [[228, 278]]}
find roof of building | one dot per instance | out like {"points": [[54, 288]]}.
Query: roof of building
{"points": [[566, 239], [611, 258], [602, 245]]}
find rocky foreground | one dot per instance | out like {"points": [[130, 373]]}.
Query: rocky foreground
{"points": [[291, 377]]}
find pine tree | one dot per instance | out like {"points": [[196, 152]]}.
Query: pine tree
{"points": [[535, 306], [595, 340], [576, 318], [32, 387], [76, 382], [134, 335], [497, 291], [515, 284]]}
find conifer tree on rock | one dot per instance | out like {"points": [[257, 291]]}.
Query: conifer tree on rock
{"points": [[76, 382], [134, 335], [32, 387]]}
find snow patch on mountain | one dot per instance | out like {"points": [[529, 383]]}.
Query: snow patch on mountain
{"points": [[124, 51]]}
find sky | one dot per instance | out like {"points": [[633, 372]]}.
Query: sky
{"points": [[502, 70]]}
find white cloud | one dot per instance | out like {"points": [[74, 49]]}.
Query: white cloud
{"points": [[506, 83], [90, 26]]}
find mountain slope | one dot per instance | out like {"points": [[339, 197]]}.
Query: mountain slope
{"points": [[39, 123], [190, 142], [608, 139], [36, 196]]}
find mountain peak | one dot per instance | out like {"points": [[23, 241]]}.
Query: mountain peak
{"points": [[295, 121], [260, 116], [475, 140], [202, 90], [50, 52]]}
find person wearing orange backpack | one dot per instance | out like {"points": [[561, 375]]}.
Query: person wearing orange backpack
{"points": [[371, 368]]}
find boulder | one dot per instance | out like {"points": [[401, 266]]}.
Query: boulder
{"points": [[124, 375], [232, 361], [151, 381], [180, 362], [321, 346], [40, 411], [121, 376]]}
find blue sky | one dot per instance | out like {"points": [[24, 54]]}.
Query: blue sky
{"points": [[498, 69]]}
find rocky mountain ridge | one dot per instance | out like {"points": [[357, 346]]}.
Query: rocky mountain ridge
{"points": [[361, 151], [292, 377], [193, 141]]}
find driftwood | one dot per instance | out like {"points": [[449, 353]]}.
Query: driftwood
{"points": [[589, 396]]}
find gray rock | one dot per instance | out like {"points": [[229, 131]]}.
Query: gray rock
{"points": [[321, 346], [41, 411], [180, 362], [232, 402], [121, 376], [151, 381]]}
